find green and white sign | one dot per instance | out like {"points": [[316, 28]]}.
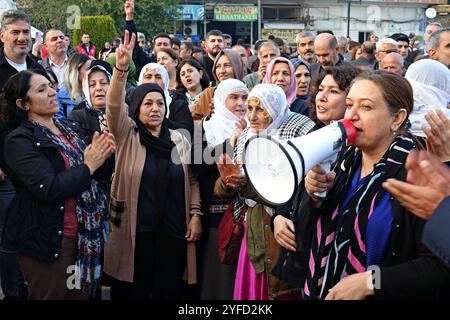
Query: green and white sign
{"points": [[235, 13]]}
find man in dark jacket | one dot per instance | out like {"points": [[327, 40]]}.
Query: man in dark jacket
{"points": [[16, 36], [214, 44], [325, 48], [367, 57]]}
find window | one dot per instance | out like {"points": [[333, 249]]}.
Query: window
{"points": [[270, 13], [288, 13]]}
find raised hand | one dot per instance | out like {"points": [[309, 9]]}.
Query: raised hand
{"points": [[129, 10], [241, 125], [428, 183], [236, 180], [262, 71], [226, 169], [438, 135], [124, 52]]}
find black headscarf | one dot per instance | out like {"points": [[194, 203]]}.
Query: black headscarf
{"points": [[161, 147]]}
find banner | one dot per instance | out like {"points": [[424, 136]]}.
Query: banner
{"points": [[235, 13], [288, 34]]}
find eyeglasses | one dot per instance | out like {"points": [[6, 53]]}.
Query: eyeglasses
{"points": [[388, 51]]}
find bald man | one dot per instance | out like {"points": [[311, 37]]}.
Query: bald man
{"points": [[393, 62], [325, 48]]}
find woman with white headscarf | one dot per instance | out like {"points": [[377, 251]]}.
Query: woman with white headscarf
{"points": [[178, 115], [227, 65], [90, 113], [268, 114], [211, 139], [430, 81]]}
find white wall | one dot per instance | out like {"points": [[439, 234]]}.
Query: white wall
{"points": [[6, 5], [381, 19]]}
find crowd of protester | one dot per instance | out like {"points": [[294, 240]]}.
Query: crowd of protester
{"points": [[123, 165]]}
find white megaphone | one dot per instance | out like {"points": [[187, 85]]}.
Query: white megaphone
{"points": [[276, 167]]}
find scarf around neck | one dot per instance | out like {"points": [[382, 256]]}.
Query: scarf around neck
{"points": [[91, 209], [334, 254], [161, 147]]}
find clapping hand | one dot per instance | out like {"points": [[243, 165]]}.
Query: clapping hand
{"points": [[438, 135], [428, 183], [101, 148]]}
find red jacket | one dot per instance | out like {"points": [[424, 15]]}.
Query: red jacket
{"points": [[81, 48]]}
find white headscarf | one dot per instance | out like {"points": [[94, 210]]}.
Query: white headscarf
{"points": [[273, 100], [85, 84], [430, 81], [87, 94], [165, 77], [222, 122]]}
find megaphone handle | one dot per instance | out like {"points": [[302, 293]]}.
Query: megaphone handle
{"points": [[327, 167]]}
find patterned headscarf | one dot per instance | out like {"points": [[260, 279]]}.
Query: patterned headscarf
{"points": [[273, 100], [291, 95]]}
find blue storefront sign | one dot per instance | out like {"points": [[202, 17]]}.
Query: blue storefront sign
{"points": [[190, 12]]}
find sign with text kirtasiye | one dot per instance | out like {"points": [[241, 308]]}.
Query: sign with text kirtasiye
{"points": [[235, 13], [190, 12]]}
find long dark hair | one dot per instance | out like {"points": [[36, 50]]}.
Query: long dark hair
{"points": [[17, 87], [204, 80]]}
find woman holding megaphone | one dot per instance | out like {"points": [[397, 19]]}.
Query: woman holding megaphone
{"points": [[358, 241], [268, 114], [327, 104]]}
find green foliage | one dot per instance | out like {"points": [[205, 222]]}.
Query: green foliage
{"points": [[101, 29], [152, 16]]}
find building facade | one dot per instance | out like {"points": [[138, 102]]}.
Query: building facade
{"points": [[287, 18]]}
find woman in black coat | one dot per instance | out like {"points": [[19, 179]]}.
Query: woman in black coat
{"points": [[57, 219]]}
